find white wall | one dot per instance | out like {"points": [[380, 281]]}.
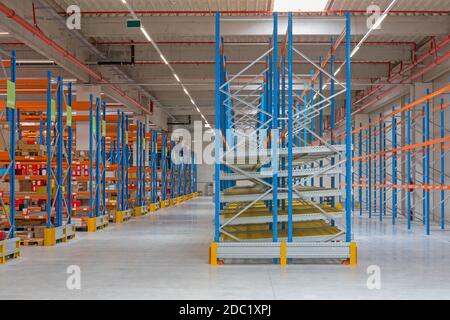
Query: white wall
{"points": [[204, 176]]}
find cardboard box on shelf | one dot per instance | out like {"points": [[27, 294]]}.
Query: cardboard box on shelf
{"points": [[41, 190], [26, 186], [4, 141], [4, 187]]}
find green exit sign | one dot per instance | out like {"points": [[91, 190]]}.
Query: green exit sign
{"points": [[136, 23]]}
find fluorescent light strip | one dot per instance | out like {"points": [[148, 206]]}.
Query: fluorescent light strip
{"points": [[35, 61], [355, 51], [374, 26], [299, 5], [338, 70], [379, 21], [146, 34], [163, 59]]}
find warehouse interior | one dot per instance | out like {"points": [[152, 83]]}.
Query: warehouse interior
{"points": [[218, 149]]}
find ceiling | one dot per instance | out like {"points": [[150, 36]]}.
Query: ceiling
{"points": [[243, 5], [184, 32]]}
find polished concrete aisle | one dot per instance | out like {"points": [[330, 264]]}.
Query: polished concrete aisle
{"points": [[164, 256]]}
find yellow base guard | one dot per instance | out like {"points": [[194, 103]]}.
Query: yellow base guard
{"points": [[163, 204], [119, 217], [49, 237], [3, 254], [178, 199], [92, 225], [172, 201], [153, 207], [213, 254], [353, 254], [184, 198], [137, 211], [283, 254]]}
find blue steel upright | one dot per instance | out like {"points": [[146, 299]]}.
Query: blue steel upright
{"points": [[275, 135], [348, 126], [11, 114], [218, 152]]}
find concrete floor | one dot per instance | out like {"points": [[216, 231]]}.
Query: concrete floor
{"points": [[164, 256]]}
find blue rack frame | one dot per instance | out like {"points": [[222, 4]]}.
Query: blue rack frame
{"points": [[10, 113]]}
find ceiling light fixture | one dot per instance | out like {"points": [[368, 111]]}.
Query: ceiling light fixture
{"points": [[35, 61], [338, 70], [163, 59], [374, 26], [146, 34], [299, 5], [354, 51]]}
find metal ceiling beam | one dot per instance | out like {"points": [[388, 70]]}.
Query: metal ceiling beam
{"points": [[256, 26], [370, 53]]}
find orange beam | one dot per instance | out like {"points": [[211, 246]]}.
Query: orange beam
{"points": [[6, 63], [35, 106]]}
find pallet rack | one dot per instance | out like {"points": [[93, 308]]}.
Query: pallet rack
{"points": [[46, 217], [283, 215], [173, 182], [165, 177], [49, 127], [153, 170], [141, 203], [123, 212], [9, 244], [397, 156], [95, 193]]}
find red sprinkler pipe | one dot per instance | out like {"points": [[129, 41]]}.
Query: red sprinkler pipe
{"points": [[438, 47], [208, 62], [436, 62], [255, 13], [409, 79], [11, 14], [200, 43]]}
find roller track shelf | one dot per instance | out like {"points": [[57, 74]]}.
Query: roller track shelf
{"points": [[282, 198]]}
